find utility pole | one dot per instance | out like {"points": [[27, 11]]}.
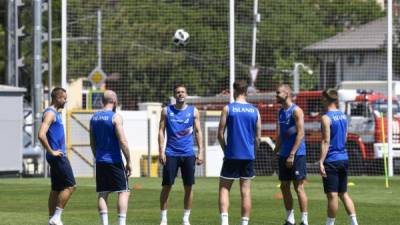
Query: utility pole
{"points": [[37, 86], [50, 47], [13, 34], [231, 47], [253, 69]]}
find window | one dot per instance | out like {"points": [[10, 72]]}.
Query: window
{"points": [[355, 60], [381, 106], [358, 109]]}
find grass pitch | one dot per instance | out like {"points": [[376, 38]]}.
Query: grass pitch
{"points": [[24, 202]]}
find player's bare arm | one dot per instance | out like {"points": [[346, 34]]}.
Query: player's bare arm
{"points": [[199, 137], [221, 127], [278, 138], [118, 122], [48, 119], [326, 133], [161, 137], [298, 116], [92, 142], [258, 131]]}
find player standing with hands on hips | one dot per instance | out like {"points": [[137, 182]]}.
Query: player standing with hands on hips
{"points": [[51, 135], [179, 121], [333, 163], [291, 148], [242, 123], [107, 139]]}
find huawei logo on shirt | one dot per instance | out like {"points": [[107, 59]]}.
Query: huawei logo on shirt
{"points": [[282, 120]]}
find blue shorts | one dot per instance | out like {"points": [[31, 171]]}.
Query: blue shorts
{"points": [[61, 173], [297, 172], [336, 180], [170, 169], [111, 177], [237, 168]]}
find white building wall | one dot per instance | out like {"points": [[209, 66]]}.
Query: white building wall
{"points": [[367, 66]]}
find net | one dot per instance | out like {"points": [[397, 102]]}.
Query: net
{"points": [[310, 45]]}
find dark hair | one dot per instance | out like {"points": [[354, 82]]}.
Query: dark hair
{"points": [[178, 86], [240, 86], [331, 95], [56, 92]]}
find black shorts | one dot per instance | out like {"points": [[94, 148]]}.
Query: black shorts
{"points": [[61, 173], [111, 177], [237, 168], [297, 172], [170, 169], [336, 176]]}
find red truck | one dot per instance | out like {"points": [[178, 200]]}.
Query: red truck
{"points": [[364, 142]]}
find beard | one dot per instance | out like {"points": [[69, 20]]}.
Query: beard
{"points": [[180, 100], [280, 100]]}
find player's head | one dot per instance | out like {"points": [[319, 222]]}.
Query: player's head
{"points": [[110, 99], [58, 97], [283, 93], [240, 87], [180, 93], [330, 98]]}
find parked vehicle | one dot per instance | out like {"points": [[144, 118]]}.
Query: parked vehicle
{"points": [[364, 140]]}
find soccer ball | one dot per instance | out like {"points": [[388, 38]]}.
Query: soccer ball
{"points": [[181, 37]]}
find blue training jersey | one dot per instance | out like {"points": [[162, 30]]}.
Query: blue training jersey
{"points": [[179, 126], [105, 138], [288, 132], [55, 135], [241, 131], [337, 148]]}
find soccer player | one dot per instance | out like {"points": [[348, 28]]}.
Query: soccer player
{"points": [[179, 120], [51, 135], [291, 148], [107, 138], [242, 123], [333, 163]]}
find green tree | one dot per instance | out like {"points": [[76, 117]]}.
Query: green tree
{"points": [[143, 63], [289, 26]]}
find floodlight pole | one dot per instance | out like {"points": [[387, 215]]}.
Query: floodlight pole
{"points": [[64, 44], [231, 47], [390, 86], [37, 86], [50, 48], [13, 34], [64, 83]]}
